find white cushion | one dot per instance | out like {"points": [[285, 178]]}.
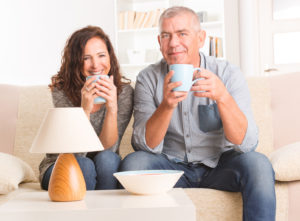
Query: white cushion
{"points": [[286, 162], [12, 172]]}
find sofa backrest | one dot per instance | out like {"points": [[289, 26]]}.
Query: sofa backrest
{"points": [[261, 107], [270, 97], [34, 101], [23, 112], [9, 100]]}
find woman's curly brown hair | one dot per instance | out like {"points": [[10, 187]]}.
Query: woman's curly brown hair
{"points": [[70, 77]]}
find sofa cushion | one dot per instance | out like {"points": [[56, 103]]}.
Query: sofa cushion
{"points": [[12, 172], [286, 163], [125, 145], [227, 206], [285, 92]]}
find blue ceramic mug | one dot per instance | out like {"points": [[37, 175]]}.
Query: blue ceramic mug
{"points": [[183, 73], [98, 100]]}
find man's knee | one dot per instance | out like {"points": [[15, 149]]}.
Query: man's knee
{"points": [[257, 167]]}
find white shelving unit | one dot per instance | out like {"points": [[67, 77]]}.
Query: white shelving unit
{"points": [[137, 48]]}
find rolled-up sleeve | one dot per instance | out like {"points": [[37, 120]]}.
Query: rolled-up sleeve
{"points": [[238, 88], [144, 107]]}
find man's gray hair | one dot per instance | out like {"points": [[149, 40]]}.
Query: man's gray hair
{"points": [[177, 10]]}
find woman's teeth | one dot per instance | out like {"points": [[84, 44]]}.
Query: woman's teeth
{"points": [[96, 73]]}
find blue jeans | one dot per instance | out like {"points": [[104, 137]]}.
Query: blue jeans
{"points": [[97, 172], [249, 173]]}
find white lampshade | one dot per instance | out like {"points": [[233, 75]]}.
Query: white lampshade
{"points": [[66, 130]]}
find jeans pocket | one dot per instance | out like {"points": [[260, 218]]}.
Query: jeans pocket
{"points": [[209, 117]]}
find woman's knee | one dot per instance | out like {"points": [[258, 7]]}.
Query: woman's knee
{"points": [[46, 178], [139, 160], [86, 164], [107, 158], [88, 170]]}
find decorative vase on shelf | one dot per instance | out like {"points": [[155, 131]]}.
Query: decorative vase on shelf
{"points": [[136, 56]]}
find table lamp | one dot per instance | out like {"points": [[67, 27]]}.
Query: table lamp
{"points": [[66, 131]]}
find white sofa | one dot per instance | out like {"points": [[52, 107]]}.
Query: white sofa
{"points": [[276, 106]]}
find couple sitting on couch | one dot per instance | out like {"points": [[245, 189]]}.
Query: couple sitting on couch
{"points": [[210, 134]]}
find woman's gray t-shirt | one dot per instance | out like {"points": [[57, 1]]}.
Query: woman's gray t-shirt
{"points": [[125, 105]]}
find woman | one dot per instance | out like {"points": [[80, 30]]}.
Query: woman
{"points": [[87, 52]]}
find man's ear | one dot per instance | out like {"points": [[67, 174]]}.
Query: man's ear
{"points": [[158, 38], [201, 38]]}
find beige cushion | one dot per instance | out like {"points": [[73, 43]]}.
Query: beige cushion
{"points": [[285, 92], [12, 172], [125, 146], [286, 162]]}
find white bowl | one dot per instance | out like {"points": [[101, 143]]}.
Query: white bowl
{"points": [[147, 182]]}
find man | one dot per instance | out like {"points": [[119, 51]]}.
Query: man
{"points": [[209, 132]]}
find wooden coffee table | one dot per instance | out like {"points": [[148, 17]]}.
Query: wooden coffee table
{"points": [[106, 205]]}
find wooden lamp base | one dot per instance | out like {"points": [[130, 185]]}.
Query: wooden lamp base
{"points": [[66, 182]]}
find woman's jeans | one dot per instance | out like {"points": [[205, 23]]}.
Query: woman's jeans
{"points": [[249, 173], [97, 172]]}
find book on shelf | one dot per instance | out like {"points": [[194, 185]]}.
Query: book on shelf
{"points": [[130, 19], [125, 19], [139, 19], [215, 47], [142, 20], [121, 20], [146, 16], [212, 51], [149, 21], [157, 15], [219, 47]]}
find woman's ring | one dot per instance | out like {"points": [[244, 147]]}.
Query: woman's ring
{"points": [[87, 89]]}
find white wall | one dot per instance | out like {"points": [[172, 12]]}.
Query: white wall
{"points": [[34, 32], [249, 37]]}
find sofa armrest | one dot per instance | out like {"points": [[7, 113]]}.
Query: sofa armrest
{"points": [[286, 163]]}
